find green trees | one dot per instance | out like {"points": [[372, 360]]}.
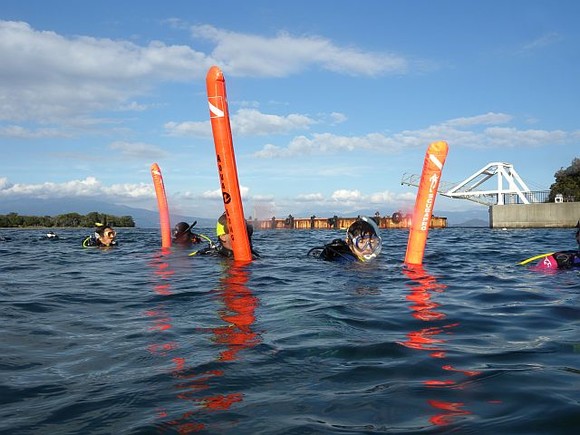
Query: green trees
{"points": [[14, 220], [567, 183]]}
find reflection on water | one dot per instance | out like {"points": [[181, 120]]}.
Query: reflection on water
{"points": [[421, 291], [236, 310]]}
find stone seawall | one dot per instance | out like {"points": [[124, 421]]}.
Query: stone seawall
{"points": [[545, 215]]}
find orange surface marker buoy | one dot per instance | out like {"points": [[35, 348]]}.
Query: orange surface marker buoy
{"points": [[226, 163], [430, 177], [161, 205]]}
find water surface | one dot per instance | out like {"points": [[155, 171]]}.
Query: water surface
{"points": [[134, 340]]}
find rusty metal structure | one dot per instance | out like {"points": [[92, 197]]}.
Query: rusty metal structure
{"points": [[397, 220]]}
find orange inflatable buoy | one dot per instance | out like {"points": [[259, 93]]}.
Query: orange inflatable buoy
{"points": [[162, 206], [425, 201], [226, 163]]}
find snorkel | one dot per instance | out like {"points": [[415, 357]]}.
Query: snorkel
{"points": [[363, 239]]}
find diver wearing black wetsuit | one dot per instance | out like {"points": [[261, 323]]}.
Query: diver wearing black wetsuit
{"points": [[104, 236], [362, 243], [224, 246], [562, 259], [337, 250], [183, 236]]}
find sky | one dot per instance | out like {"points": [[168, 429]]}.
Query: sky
{"points": [[331, 102]]}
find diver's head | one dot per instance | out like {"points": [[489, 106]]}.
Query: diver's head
{"points": [[105, 234], [223, 233], [180, 229], [363, 239]]}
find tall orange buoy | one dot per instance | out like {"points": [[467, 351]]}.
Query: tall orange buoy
{"points": [[161, 205], [425, 201], [226, 163]]}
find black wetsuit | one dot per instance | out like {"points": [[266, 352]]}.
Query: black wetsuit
{"points": [[337, 250], [93, 241], [221, 251]]}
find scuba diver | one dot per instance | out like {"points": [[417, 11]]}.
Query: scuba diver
{"points": [[562, 259], [104, 236], [183, 236], [224, 245], [362, 243]]}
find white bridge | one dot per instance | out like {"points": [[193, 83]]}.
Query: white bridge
{"points": [[509, 188]]}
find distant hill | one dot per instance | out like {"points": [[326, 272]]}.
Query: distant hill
{"points": [[472, 223], [52, 207]]}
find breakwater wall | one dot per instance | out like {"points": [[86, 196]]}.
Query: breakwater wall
{"points": [[395, 221], [544, 215]]}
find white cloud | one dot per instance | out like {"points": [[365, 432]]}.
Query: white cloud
{"points": [[19, 132], [489, 118], [217, 193], [480, 131], [543, 41], [511, 137], [338, 118], [5, 184], [251, 122], [52, 78], [350, 201], [90, 187], [387, 197], [188, 128], [263, 198], [48, 77], [310, 197], [138, 149], [133, 106], [345, 195], [212, 194], [245, 122], [285, 54], [327, 143]]}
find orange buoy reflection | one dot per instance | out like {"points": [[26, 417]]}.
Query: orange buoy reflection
{"points": [[430, 339], [238, 313]]}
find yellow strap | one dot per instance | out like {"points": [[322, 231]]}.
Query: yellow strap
{"points": [[521, 263], [211, 245], [206, 238]]}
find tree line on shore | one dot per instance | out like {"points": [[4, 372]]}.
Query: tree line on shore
{"points": [[567, 182], [74, 220]]}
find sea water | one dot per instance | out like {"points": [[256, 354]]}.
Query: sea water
{"points": [[140, 340]]}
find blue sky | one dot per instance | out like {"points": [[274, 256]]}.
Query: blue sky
{"points": [[331, 101]]}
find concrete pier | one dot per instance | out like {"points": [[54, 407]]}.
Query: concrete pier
{"points": [[395, 221], [541, 215]]}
